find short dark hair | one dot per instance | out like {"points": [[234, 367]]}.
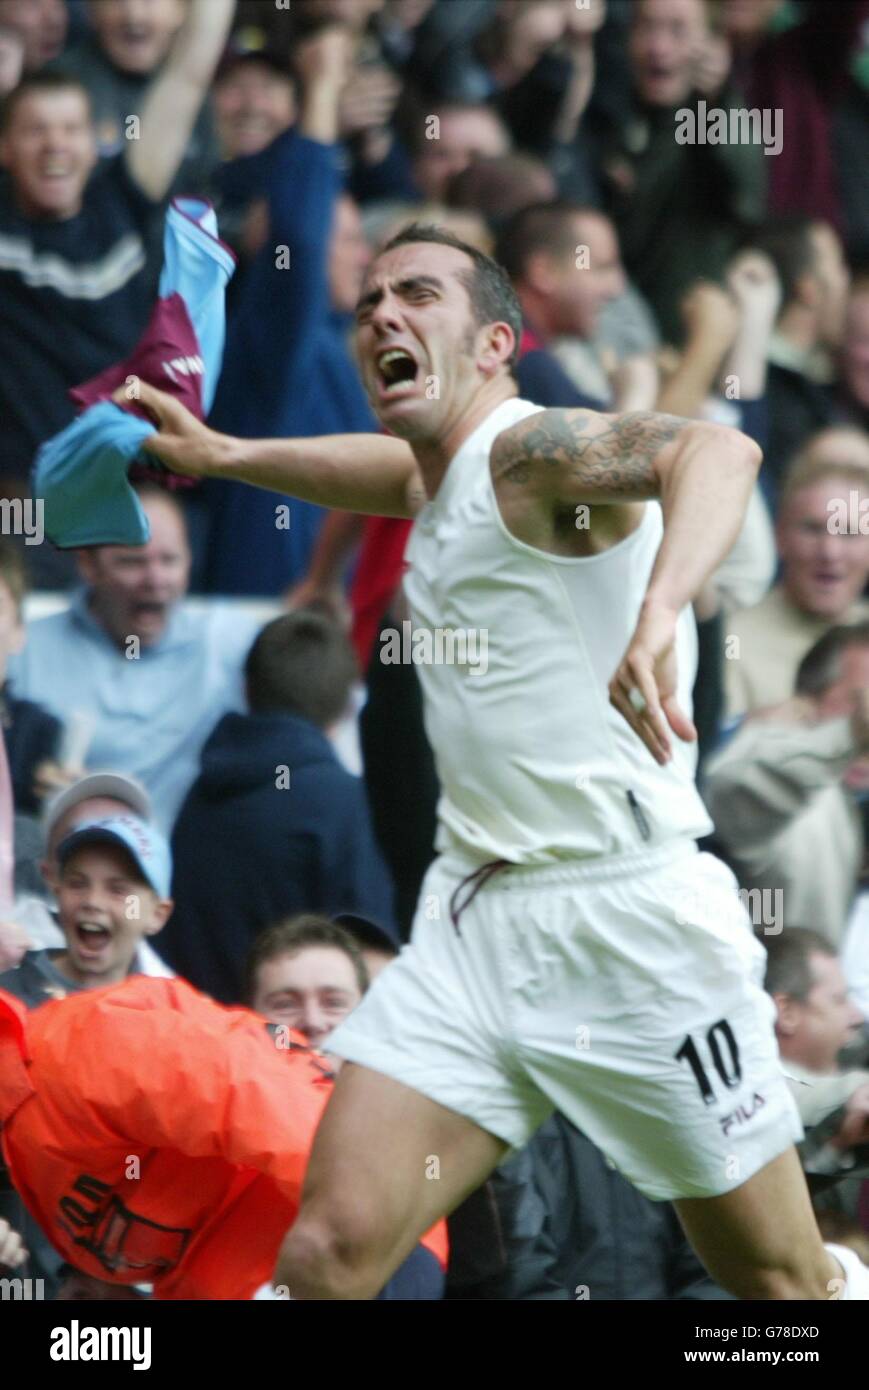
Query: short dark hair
{"points": [[275, 63], [498, 186], [295, 934], [540, 227], [301, 663], [788, 243], [820, 667], [414, 115], [788, 956], [493, 299], [13, 573], [54, 81]]}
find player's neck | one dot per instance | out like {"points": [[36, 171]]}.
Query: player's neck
{"points": [[434, 455]]}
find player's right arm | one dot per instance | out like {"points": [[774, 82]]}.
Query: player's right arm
{"points": [[376, 474]]}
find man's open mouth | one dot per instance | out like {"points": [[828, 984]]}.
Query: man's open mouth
{"points": [[396, 370]]}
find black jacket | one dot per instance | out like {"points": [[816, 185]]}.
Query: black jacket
{"points": [[32, 735], [249, 850], [798, 408], [556, 1222]]}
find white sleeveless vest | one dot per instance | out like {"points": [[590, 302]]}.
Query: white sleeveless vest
{"points": [[514, 649]]}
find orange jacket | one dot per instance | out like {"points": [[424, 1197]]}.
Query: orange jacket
{"points": [[158, 1137]]}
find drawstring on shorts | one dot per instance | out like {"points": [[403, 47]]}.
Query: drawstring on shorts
{"points": [[477, 879]]}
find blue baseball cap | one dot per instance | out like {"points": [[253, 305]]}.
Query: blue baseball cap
{"points": [[146, 847]]}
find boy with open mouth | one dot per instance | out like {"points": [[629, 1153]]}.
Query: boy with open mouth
{"points": [[113, 891]]}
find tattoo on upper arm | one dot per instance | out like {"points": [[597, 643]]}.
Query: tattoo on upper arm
{"points": [[616, 453]]}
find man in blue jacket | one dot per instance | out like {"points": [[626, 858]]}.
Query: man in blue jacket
{"points": [[273, 825], [287, 367]]}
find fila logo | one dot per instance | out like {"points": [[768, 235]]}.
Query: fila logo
{"points": [[741, 1114], [186, 366]]}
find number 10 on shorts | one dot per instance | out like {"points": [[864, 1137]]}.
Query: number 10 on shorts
{"points": [[730, 1070]]}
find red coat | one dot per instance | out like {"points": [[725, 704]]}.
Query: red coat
{"points": [[158, 1137]]}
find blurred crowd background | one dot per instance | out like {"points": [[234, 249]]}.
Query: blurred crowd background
{"points": [[255, 726]]}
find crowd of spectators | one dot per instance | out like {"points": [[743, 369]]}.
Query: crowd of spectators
{"points": [[716, 278]]}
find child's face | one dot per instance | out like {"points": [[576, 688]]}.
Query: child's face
{"points": [[11, 630], [105, 909]]}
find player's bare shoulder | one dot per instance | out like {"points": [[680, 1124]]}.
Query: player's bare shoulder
{"points": [[522, 454], [551, 463], [610, 456]]}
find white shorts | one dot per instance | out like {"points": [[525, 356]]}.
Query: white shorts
{"points": [[625, 993]]}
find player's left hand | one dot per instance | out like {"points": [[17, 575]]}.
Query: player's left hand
{"points": [[643, 689]]}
